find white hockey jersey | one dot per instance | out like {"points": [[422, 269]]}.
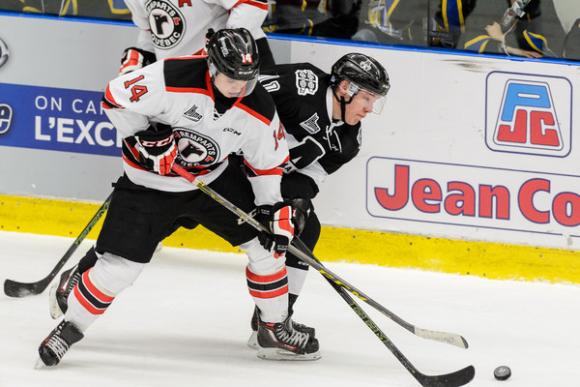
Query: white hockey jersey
{"points": [[178, 92], [172, 28]]}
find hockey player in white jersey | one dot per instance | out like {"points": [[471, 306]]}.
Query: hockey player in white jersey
{"points": [[193, 111], [171, 28]]}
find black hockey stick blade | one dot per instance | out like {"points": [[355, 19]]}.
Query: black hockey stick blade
{"points": [[453, 379], [23, 289]]}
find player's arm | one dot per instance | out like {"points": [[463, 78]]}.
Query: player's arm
{"points": [[143, 53], [129, 101], [249, 14]]}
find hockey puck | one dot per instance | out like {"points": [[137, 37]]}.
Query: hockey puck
{"points": [[502, 373]]}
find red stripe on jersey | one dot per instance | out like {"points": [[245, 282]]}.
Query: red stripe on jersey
{"points": [[253, 113], [110, 99], [208, 84], [105, 299], [266, 278], [269, 294], [85, 303], [264, 172], [199, 54], [257, 4]]}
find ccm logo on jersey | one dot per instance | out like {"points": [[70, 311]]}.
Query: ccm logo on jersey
{"points": [[5, 118], [533, 116]]}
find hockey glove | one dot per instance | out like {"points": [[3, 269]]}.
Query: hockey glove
{"points": [[134, 58], [279, 220], [302, 208], [158, 150]]}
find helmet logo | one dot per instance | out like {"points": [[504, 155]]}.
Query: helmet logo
{"points": [[306, 82], [366, 65], [247, 58]]}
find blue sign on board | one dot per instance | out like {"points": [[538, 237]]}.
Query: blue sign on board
{"points": [[57, 119]]}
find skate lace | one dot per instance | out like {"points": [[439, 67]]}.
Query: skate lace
{"points": [[58, 345], [292, 336], [74, 280]]}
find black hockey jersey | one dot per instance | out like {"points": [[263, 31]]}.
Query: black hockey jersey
{"points": [[318, 144]]}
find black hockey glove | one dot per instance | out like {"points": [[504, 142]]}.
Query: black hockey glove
{"points": [[279, 220], [157, 149], [135, 58]]}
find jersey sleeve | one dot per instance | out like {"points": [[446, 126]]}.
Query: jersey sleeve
{"points": [[264, 157], [249, 14], [131, 100], [141, 19]]}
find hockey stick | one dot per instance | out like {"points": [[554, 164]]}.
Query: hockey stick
{"points": [[445, 337], [454, 379], [457, 378], [22, 289]]}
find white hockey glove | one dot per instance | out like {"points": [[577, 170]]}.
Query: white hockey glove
{"points": [[134, 58], [279, 219], [158, 150]]}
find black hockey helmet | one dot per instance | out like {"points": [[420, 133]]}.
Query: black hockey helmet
{"points": [[363, 72], [233, 52]]}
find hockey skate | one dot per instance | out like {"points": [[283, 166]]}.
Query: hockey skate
{"points": [[253, 340], [58, 342], [58, 294], [280, 341]]}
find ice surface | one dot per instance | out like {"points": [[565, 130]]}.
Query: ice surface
{"points": [[186, 320]]}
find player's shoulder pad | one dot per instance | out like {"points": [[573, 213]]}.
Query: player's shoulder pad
{"points": [[185, 72], [260, 102]]}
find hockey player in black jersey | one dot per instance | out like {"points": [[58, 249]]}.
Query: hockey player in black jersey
{"points": [[322, 116], [176, 111]]}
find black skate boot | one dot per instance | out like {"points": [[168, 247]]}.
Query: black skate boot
{"points": [[253, 340], [58, 294], [53, 348], [280, 341]]}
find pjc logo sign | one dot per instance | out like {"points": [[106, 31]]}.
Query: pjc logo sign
{"points": [[528, 114]]}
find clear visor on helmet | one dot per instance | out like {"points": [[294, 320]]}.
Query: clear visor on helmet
{"points": [[375, 101], [231, 87]]}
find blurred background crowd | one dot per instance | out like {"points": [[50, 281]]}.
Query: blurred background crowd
{"points": [[527, 28]]}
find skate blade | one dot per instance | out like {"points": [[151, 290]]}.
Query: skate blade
{"points": [[253, 341], [39, 365], [282, 354], [53, 307]]}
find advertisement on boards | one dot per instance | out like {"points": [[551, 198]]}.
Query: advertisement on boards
{"points": [[55, 119]]}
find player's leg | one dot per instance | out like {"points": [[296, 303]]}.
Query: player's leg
{"points": [[266, 275], [137, 219]]}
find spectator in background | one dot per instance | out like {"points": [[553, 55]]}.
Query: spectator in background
{"points": [[448, 23], [520, 23], [392, 21], [328, 18], [114, 9]]}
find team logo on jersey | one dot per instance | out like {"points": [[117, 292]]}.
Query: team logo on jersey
{"points": [[311, 124], [529, 114], [166, 22], [192, 114], [5, 118], [306, 82], [195, 149], [4, 53]]}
